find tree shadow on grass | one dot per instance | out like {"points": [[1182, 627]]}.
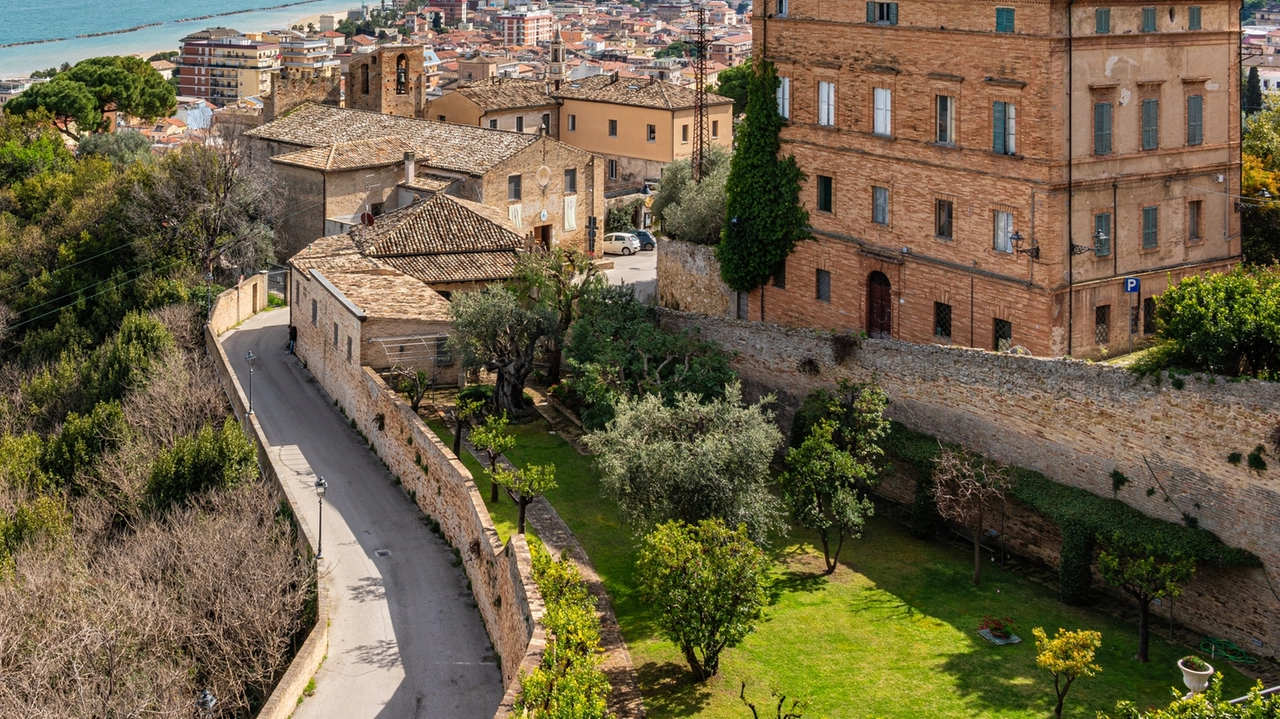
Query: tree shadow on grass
{"points": [[793, 581], [670, 690]]}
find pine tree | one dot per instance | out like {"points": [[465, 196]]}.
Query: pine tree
{"points": [[1253, 92], [763, 215]]}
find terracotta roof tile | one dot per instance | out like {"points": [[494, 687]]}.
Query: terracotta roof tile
{"points": [[376, 152], [643, 93], [441, 224], [496, 93], [457, 267]]}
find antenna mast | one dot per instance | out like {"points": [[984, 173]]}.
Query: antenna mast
{"points": [[699, 51]]}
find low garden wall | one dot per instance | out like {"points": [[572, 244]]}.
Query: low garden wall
{"points": [[239, 303]]}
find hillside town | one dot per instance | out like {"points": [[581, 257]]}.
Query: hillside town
{"points": [[652, 359]]}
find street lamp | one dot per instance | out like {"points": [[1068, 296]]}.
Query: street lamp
{"points": [[208, 297], [250, 358], [205, 702], [321, 486], [1017, 239]]}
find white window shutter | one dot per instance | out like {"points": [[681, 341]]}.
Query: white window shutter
{"points": [[571, 213], [516, 217], [1011, 128]]}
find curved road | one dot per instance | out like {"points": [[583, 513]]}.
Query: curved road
{"points": [[405, 637]]}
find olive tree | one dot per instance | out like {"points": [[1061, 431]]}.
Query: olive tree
{"points": [[499, 334], [495, 438], [558, 279], [821, 488], [705, 583]]}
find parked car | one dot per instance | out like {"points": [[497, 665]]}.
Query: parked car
{"points": [[647, 240], [621, 243]]}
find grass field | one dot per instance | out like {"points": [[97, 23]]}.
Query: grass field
{"points": [[892, 634]]}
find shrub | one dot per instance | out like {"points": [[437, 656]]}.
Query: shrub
{"points": [[1067, 656], [1226, 323], [1208, 704], [211, 459]]}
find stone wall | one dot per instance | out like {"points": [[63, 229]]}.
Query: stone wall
{"points": [[239, 303], [290, 91], [1074, 422], [689, 279]]}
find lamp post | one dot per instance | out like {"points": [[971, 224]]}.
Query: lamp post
{"points": [[208, 297], [1017, 239], [321, 487], [251, 359], [205, 703]]}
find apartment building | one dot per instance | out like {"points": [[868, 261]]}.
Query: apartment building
{"points": [[527, 27], [222, 65], [990, 174], [301, 56]]}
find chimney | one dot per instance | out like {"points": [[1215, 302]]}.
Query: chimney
{"points": [[410, 167]]}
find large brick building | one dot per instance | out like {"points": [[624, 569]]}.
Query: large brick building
{"points": [[935, 134]]}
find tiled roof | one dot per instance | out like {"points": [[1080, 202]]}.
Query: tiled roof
{"points": [[459, 148], [379, 290], [496, 93], [642, 93], [441, 224], [376, 152], [430, 182], [457, 267]]}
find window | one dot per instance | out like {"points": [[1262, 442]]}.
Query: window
{"points": [[1004, 19], [613, 128], [376, 209], [885, 13], [827, 103], [314, 313], [613, 169], [364, 79], [1004, 128], [1003, 340], [824, 193], [883, 122], [1102, 128], [546, 122], [1102, 223], [571, 180], [715, 129], [1102, 324], [573, 123], [493, 124], [946, 134], [1148, 315], [1195, 120], [519, 124], [1148, 19], [335, 335], [784, 97], [1135, 312], [348, 349], [942, 321], [513, 188], [441, 118], [743, 309], [1195, 212], [782, 8], [651, 133], [1193, 17], [943, 212], [1150, 124], [684, 134], [780, 275], [1102, 20], [823, 286], [880, 205], [1150, 227], [1003, 230], [444, 353]]}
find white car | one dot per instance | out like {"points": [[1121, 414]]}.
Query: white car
{"points": [[620, 243]]}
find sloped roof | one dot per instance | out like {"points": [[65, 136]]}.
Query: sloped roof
{"points": [[459, 267], [459, 148], [375, 152], [641, 93], [499, 93], [439, 225]]}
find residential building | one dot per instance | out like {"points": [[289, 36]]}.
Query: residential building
{"points": [[304, 57], [222, 66], [527, 27], [13, 87], [731, 51], [500, 103], [995, 186]]}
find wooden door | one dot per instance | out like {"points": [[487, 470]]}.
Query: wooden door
{"points": [[879, 306]]}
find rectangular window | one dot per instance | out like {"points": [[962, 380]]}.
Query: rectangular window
{"points": [[1102, 20], [1193, 17], [684, 133], [1150, 227], [1102, 223], [946, 134], [1148, 315], [784, 97], [546, 122], [335, 335], [651, 133], [880, 205], [1003, 222], [348, 349], [1004, 19], [613, 128], [513, 188], [613, 169], [942, 321], [823, 293], [715, 129], [1148, 19], [943, 212], [780, 275], [1102, 324], [883, 121], [493, 124], [1004, 128], [824, 193], [1102, 128], [743, 308], [885, 13], [782, 8], [441, 118], [827, 103], [444, 353], [1003, 339], [519, 124], [1195, 120], [571, 180], [1150, 124], [573, 123], [1195, 210]]}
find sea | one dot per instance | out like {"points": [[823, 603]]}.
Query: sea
{"points": [[137, 26]]}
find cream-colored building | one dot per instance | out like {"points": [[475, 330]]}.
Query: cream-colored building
{"points": [[499, 103], [222, 66]]}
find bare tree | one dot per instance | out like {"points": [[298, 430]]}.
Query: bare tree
{"points": [[964, 483]]}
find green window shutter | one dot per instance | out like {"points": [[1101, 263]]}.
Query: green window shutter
{"points": [[1102, 21], [1102, 128], [1195, 120], [1193, 18], [893, 13], [1148, 19], [1150, 124], [871, 12], [1004, 19], [1150, 227], [1102, 222], [998, 128]]}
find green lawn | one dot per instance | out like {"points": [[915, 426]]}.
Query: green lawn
{"points": [[892, 634], [505, 514]]}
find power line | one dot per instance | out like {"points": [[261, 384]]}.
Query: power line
{"points": [[66, 267], [122, 284], [82, 289]]}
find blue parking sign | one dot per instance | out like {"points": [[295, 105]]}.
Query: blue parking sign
{"points": [[1132, 284]]}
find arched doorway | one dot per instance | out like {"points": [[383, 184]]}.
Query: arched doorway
{"points": [[879, 306]]}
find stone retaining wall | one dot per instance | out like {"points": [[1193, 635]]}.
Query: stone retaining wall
{"points": [[1074, 422], [689, 279]]}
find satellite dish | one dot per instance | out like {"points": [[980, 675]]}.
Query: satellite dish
{"points": [[366, 219]]}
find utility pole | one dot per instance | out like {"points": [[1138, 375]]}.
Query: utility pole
{"points": [[699, 50]]}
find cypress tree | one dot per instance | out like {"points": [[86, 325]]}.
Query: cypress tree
{"points": [[1253, 92], [763, 215]]}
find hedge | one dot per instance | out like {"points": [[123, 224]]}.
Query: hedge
{"points": [[1081, 516]]}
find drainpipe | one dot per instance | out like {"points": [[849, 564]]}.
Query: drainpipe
{"points": [[1071, 293], [1115, 225]]}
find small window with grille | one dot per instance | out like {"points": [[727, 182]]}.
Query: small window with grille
{"points": [[1003, 340], [824, 286], [942, 321], [1102, 324]]}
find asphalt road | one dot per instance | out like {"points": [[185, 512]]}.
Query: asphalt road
{"points": [[640, 269], [405, 637]]}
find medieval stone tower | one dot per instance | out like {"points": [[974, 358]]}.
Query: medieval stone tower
{"points": [[388, 80]]}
